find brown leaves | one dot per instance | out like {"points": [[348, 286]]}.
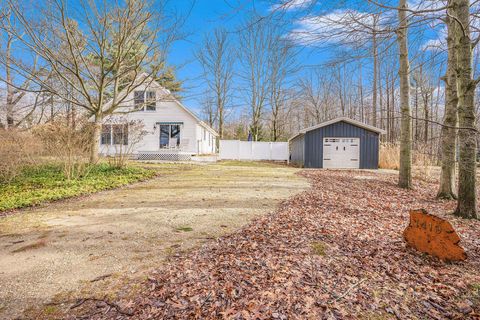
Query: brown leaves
{"points": [[268, 269]]}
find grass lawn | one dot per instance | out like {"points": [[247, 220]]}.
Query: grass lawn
{"points": [[46, 183]]}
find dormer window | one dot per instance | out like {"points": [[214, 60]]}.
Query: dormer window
{"points": [[151, 99], [145, 100]]}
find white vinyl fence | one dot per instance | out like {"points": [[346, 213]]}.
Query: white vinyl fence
{"points": [[253, 150]]}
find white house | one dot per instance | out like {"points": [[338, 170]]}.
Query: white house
{"points": [[170, 131]]}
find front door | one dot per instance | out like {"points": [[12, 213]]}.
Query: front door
{"points": [[341, 153], [169, 136], [164, 135]]}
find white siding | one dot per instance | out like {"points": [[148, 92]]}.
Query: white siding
{"points": [[206, 141], [166, 111]]}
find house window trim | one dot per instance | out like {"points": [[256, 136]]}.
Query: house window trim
{"points": [[170, 125], [145, 101], [111, 136]]}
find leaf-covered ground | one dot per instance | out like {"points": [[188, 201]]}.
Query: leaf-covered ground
{"points": [[333, 252]]}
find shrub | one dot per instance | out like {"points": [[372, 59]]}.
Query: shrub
{"points": [[133, 132], [18, 149], [68, 146]]}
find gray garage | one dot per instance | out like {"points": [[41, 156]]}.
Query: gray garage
{"points": [[338, 143]]}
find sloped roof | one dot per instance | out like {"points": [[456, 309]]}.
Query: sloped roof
{"points": [[340, 119], [167, 92]]}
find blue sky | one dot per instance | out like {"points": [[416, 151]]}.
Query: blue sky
{"points": [[206, 15]]}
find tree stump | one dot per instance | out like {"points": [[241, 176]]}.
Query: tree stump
{"points": [[433, 235]]}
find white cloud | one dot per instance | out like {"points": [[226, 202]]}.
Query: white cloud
{"points": [[433, 8], [437, 43], [291, 5], [346, 26]]}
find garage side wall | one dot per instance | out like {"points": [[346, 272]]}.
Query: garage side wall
{"points": [[297, 150], [369, 144]]}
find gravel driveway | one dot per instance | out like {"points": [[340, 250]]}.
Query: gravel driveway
{"points": [[95, 244]]}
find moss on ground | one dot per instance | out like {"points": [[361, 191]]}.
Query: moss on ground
{"points": [[319, 248]]}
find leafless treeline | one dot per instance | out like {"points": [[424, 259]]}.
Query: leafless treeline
{"points": [[384, 69], [360, 80]]}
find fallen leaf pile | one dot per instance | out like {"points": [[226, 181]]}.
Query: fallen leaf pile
{"points": [[333, 252]]}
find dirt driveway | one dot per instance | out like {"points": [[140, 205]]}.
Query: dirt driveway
{"points": [[335, 251], [87, 245]]}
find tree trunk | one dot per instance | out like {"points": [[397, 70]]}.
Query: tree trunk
{"points": [[10, 123], [375, 73], [387, 85], [405, 174], [95, 140], [220, 123], [467, 199], [447, 176], [275, 130], [392, 108], [360, 85]]}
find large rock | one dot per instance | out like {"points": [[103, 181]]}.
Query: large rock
{"points": [[433, 235]]}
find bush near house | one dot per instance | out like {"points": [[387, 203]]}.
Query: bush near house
{"points": [[38, 184]]}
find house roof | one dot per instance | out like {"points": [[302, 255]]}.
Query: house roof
{"points": [[340, 119], [167, 92]]}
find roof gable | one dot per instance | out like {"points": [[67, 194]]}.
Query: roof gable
{"points": [[157, 86], [340, 119]]}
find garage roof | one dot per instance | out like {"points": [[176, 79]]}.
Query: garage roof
{"points": [[340, 119]]}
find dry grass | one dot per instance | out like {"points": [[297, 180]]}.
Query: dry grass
{"points": [[389, 156], [35, 245], [422, 160], [319, 248], [184, 229]]}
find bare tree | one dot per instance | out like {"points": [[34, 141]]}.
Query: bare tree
{"points": [[20, 106], [217, 58], [448, 147], [317, 93], [405, 174], [282, 65], [209, 111], [256, 41], [98, 50], [467, 192]]}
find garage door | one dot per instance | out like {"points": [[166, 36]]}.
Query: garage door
{"points": [[341, 153]]}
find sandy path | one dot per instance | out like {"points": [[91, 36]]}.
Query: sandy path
{"points": [[61, 247]]}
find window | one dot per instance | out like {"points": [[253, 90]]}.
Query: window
{"points": [[151, 98], [145, 100], [114, 134], [169, 135], [120, 134], [138, 100], [106, 137]]}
